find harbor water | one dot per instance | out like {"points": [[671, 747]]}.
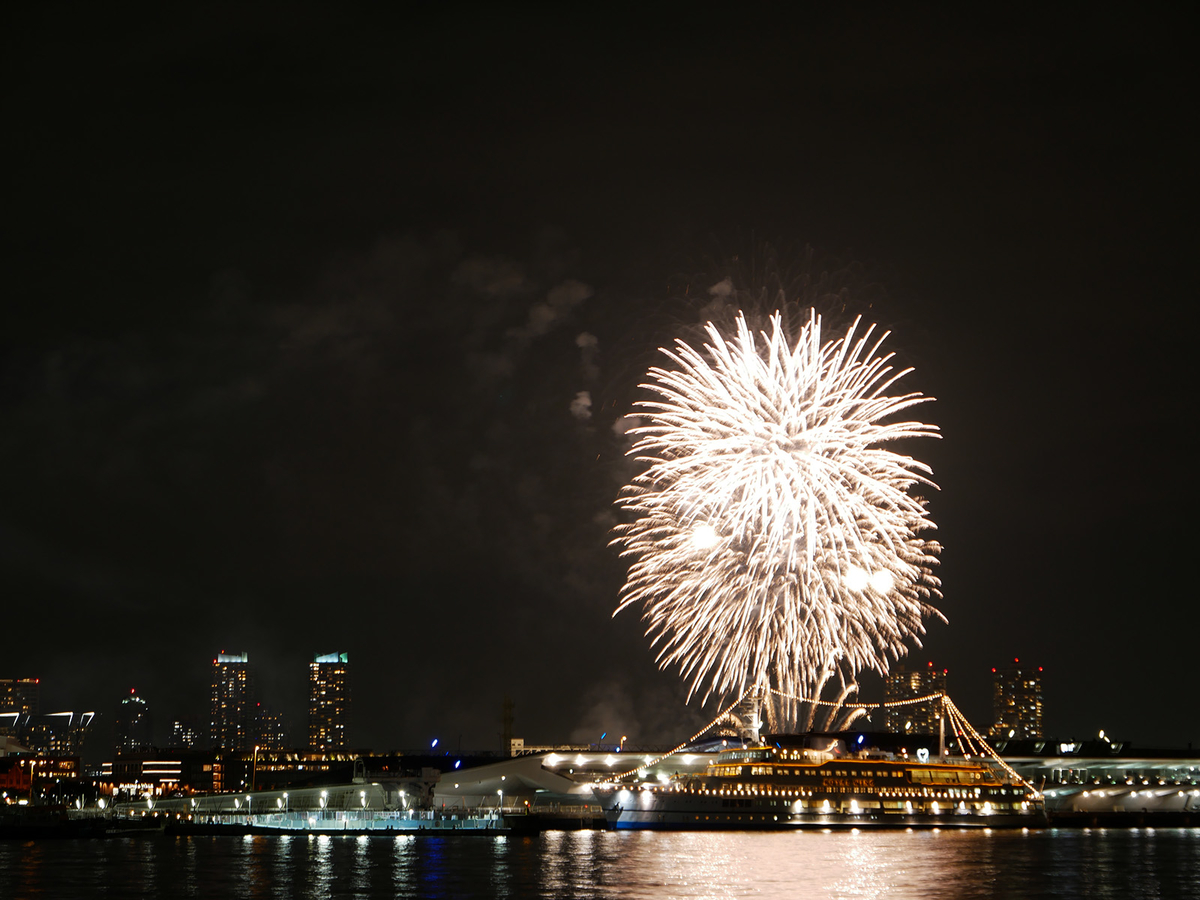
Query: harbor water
{"points": [[1091, 863]]}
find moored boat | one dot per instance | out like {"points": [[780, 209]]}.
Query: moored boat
{"points": [[797, 781]]}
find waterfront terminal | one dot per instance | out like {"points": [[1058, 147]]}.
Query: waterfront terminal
{"points": [[1092, 783]]}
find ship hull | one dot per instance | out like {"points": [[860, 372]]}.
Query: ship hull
{"points": [[670, 817]]}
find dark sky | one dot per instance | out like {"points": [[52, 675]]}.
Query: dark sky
{"points": [[292, 336]]}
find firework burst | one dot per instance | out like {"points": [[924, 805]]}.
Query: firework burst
{"points": [[775, 543]]}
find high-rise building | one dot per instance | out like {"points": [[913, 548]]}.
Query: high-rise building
{"points": [[269, 726], [132, 725], [232, 723], [903, 683], [328, 701], [185, 734], [1016, 701], [19, 695]]}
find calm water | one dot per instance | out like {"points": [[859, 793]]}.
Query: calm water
{"points": [[1093, 864]]}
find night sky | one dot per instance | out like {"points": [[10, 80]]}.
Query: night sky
{"points": [[300, 305]]}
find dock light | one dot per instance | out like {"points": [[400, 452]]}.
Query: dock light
{"points": [[457, 763], [434, 744]]}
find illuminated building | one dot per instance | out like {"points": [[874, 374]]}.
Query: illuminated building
{"points": [[132, 727], [269, 726], [328, 701], [232, 722], [903, 683], [55, 734], [1016, 701], [18, 774], [19, 695], [155, 774], [185, 734]]}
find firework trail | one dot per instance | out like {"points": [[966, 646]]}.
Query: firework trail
{"points": [[775, 543]]}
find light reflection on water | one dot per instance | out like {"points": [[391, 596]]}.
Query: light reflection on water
{"points": [[1092, 864]]}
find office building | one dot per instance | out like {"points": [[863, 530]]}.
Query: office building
{"points": [[270, 728], [132, 725], [55, 734], [19, 695], [328, 701], [231, 726], [904, 683], [185, 734], [1016, 701]]}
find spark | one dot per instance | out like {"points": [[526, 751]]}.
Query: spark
{"points": [[775, 542]]}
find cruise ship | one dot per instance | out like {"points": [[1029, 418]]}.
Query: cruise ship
{"points": [[817, 781]]}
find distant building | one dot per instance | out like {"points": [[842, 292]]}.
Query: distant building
{"points": [[153, 774], [19, 695], [269, 726], [185, 734], [132, 725], [328, 701], [903, 683], [55, 734], [1016, 701], [232, 724]]}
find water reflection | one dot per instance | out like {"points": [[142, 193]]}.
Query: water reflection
{"points": [[721, 865]]}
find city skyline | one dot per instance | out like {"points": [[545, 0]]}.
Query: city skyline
{"points": [[1017, 707], [320, 344]]}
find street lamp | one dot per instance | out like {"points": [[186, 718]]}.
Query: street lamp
{"points": [[285, 801], [500, 808]]}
